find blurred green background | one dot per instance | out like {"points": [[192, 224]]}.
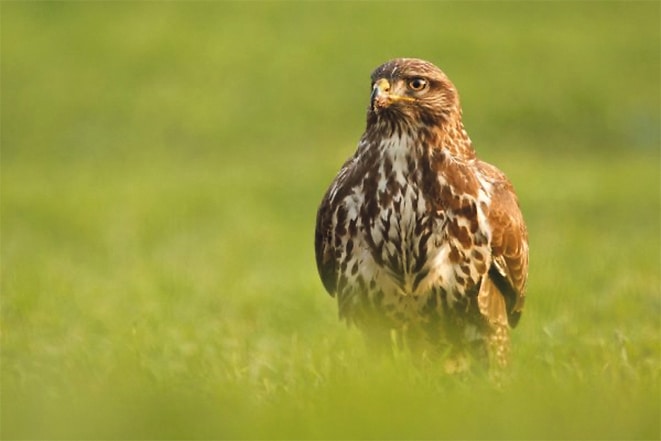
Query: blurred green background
{"points": [[162, 163]]}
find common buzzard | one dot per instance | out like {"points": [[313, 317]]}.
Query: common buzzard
{"points": [[418, 238]]}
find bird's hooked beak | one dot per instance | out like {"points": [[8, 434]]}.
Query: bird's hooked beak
{"points": [[382, 96], [379, 97]]}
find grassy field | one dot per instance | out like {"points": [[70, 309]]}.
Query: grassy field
{"points": [[162, 163]]}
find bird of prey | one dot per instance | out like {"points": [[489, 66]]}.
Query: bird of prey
{"points": [[420, 241]]}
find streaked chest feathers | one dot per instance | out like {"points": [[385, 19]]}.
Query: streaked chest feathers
{"points": [[409, 231]]}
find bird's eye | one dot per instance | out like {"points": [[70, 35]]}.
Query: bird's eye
{"points": [[417, 84]]}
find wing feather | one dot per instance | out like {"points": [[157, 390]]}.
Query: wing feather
{"points": [[508, 274], [325, 241], [323, 246]]}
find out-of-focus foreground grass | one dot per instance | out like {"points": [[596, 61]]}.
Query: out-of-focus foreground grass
{"points": [[161, 167]]}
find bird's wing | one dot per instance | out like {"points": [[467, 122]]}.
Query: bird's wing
{"points": [[323, 246], [327, 244], [502, 293]]}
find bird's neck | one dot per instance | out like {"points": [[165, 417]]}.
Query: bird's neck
{"points": [[452, 138], [449, 137]]}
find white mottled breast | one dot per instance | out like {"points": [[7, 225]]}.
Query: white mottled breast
{"points": [[392, 233]]}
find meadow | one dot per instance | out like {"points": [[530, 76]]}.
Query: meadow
{"points": [[161, 168]]}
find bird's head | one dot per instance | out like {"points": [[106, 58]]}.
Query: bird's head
{"points": [[409, 91]]}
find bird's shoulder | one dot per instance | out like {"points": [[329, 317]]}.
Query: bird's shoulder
{"points": [[350, 175]]}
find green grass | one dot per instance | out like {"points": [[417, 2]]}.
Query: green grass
{"points": [[161, 167]]}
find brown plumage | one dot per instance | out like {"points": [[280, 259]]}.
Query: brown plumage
{"points": [[417, 235]]}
